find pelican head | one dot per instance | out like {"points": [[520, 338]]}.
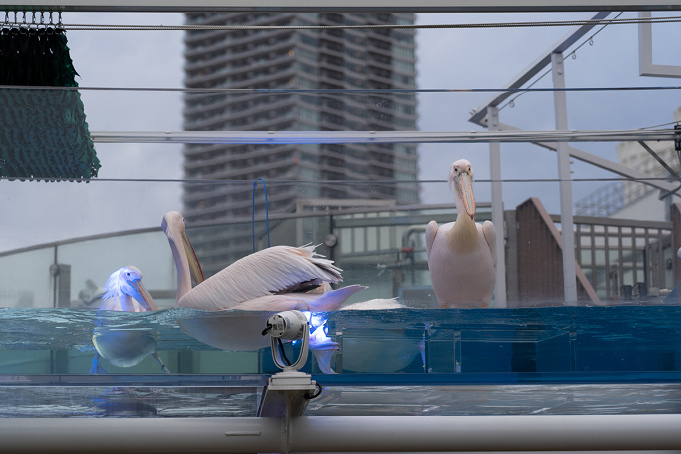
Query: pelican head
{"points": [[128, 281], [461, 177]]}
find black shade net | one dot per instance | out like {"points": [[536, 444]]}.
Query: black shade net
{"points": [[43, 132]]}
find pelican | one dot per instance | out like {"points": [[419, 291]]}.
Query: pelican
{"points": [[461, 255], [273, 279], [125, 292]]}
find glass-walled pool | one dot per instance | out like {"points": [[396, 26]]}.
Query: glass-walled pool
{"points": [[52, 322], [356, 161]]}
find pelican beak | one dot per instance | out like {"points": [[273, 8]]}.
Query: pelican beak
{"points": [[464, 185], [194, 267], [143, 296]]}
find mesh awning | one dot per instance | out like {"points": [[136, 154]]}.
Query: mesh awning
{"points": [[43, 132]]}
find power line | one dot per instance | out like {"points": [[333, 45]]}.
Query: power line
{"points": [[560, 23], [274, 182], [395, 91], [548, 71]]}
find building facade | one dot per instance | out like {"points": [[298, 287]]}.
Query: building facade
{"points": [[297, 79]]}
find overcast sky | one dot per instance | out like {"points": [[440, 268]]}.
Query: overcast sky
{"points": [[36, 213]]}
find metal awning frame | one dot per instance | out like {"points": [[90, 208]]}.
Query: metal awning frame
{"points": [[509, 135], [487, 115], [439, 6]]}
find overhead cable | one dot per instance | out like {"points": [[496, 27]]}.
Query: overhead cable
{"points": [[559, 23], [344, 91], [573, 54], [274, 182]]}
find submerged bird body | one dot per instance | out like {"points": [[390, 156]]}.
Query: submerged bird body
{"points": [[461, 254], [273, 279]]}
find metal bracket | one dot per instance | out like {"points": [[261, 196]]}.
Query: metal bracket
{"points": [[286, 390], [285, 396]]}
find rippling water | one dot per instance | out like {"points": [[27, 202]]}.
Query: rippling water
{"points": [[63, 329], [408, 340], [236, 401], [99, 401], [379, 347]]}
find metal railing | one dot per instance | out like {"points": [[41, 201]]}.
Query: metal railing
{"points": [[382, 247], [614, 253]]}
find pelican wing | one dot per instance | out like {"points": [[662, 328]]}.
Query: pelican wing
{"points": [[314, 302], [260, 274], [490, 234], [431, 231]]}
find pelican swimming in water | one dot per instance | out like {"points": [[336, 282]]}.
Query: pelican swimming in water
{"points": [[461, 255], [274, 279], [122, 347], [124, 291]]}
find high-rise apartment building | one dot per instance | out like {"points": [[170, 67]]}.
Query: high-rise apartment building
{"points": [[327, 62]]}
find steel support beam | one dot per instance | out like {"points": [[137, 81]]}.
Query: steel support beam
{"points": [[565, 183], [343, 434], [605, 164], [646, 67], [479, 115], [497, 210], [460, 6], [288, 137]]}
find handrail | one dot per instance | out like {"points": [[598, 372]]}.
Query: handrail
{"points": [[344, 434], [244, 220]]}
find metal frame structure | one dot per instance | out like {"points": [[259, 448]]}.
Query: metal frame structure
{"points": [[463, 6], [503, 134], [487, 115], [646, 67]]}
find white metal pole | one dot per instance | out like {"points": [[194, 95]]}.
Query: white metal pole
{"points": [[497, 208], [563, 152], [343, 434]]}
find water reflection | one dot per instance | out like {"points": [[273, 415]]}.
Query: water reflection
{"points": [[531, 340], [123, 403]]}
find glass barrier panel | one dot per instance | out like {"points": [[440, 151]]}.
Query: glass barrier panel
{"points": [[92, 261], [28, 279]]}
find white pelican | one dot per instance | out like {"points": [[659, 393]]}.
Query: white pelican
{"points": [[122, 347], [273, 279], [461, 255], [124, 291]]}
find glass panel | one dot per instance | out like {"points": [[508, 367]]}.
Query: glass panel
{"points": [[27, 279], [89, 267]]}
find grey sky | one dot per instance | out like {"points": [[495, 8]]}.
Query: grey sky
{"points": [[36, 213]]}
